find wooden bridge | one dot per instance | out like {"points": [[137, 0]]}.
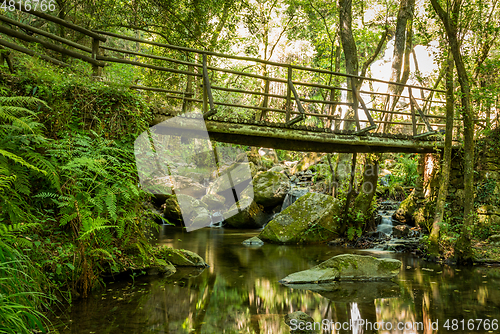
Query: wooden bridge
{"points": [[296, 108]]}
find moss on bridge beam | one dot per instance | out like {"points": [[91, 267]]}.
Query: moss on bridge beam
{"points": [[302, 140]]}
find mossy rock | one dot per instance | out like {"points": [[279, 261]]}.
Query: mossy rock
{"points": [[312, 218], [249, 215], [191, 209], [270, 188], [182, 257], [347, 267], [404, 213]]}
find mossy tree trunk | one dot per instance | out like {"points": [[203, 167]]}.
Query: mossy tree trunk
{"points": [[445, 163], [463, 250], [362, 203]]}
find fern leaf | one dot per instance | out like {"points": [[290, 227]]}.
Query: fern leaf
{"points": [[21, 161]]}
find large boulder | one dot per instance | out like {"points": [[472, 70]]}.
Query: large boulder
{"points": [[347, 267], [182, 257], [404, 214], [249, 215], [184, 208], [313, 217], [270, 188], [237, 175], [213, 201]]}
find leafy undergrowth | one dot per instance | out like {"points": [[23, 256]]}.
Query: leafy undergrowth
{"points": [[70, 204], [485, 252]]}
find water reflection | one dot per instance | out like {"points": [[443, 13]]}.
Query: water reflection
{"points": [[240, 293]]}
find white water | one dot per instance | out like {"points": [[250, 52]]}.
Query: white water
{"points": [[385, 225]]}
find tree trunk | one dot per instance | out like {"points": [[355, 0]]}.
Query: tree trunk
{"points": [[402, 49], [362, 203], [463, 249], [352, 65], [445, 164]]}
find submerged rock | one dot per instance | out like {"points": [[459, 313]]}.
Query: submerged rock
{"points": [[270, 188], [348, 267], [253, 241], [249, 214], [182, 257], [312, 218], [298, 320]]}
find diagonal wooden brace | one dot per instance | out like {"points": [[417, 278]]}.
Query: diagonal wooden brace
{"points": [[301, 116], [208, 89]]}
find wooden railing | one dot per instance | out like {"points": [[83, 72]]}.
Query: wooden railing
{"points": [[299, 99]]}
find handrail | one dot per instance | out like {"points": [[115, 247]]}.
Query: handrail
{"points": [[62, 22], [45, 33], [261, 61]]}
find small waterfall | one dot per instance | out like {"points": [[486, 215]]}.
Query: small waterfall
{"points": [[217, 219], [385, 225], [292, 196]]}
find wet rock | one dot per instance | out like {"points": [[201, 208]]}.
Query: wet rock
{"points": [[270, 188], [401, 231], [400, 246], [277, 169], [237, 175], [253, 241], [404, 214], [213, 201], [191, 208], [312, 218], [182, 257], [347, 267], [249, 214], [298, 320], [161, 270]]}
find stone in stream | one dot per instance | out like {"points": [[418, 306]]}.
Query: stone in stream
{"points": [[347, 267], [270, 188], [249, 214], [313, 217], [298, 320], [182, 257], [253, 241], [187, 209]]}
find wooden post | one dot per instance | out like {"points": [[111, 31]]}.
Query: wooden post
{"points": [[208, 90], [288, 94], [355, 103], [265, 102], [97, 70], [413, 116], [186, 105]]}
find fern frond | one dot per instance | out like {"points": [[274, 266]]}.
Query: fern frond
{"points": [[44, 164], [21, 161], [27, 101]]}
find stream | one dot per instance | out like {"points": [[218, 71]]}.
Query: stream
{"points": [[240, 293]]}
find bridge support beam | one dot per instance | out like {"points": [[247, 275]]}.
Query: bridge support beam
{"points": [[302, 140]]}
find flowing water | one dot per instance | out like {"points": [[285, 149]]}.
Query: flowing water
{"points": [[240, 293]]}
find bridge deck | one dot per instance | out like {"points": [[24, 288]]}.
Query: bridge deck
{"points": [[297, 138]]}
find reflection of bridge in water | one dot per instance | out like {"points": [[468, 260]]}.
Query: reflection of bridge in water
{"points": [[295, 108]]}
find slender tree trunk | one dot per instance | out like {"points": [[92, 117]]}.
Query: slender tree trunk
{"points": [[463, 249], [352, 65], [446, 162], [402, 40]]}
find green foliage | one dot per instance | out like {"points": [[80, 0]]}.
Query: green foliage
{"points": [[405, 170], [21, 290], [354, 232]]}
